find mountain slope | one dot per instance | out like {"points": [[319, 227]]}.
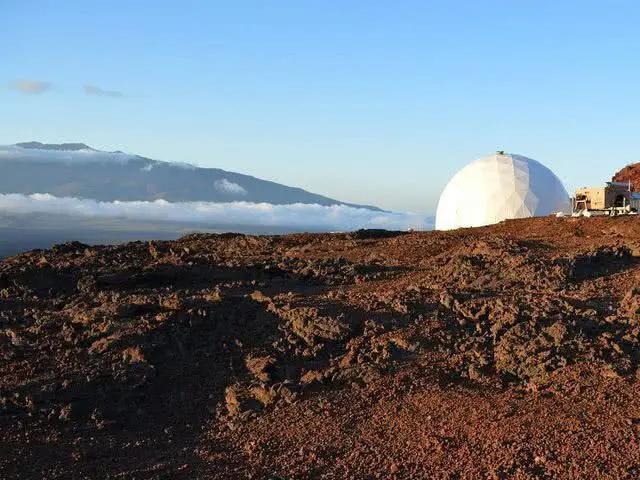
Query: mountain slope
{"points": [[77, 170]]}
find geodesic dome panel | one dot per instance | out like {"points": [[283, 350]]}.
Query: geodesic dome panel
{"points": [[498, 187]]}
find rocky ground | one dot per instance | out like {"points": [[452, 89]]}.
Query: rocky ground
{"points": [[510, 351], [630, 173]]}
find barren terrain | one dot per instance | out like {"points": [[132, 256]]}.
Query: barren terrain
{"points": [[509, 351]]}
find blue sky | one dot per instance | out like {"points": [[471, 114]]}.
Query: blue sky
{"points": [[366, 101]]}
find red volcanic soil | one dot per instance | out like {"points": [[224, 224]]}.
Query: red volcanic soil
{"points": [[509, 351], [630, 172]]}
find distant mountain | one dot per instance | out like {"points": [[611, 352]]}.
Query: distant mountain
{"points": [[54, 146], [77, 170]]}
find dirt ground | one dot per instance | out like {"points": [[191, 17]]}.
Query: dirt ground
{"points": [[510, 351]]}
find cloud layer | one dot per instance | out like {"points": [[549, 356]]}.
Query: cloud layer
{"points": [[30, 87], [13, 152], [298, 216], [69, 157], [100, 92]]}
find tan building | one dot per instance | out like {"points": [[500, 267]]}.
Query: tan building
{"points": [[612, 195]]}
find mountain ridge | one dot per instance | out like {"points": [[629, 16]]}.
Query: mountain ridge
{"points": [[55, 146], [78, 170]]}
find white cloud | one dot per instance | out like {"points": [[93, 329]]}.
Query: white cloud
{"points": [[230, 188], [30, 87], [100, 92], [303, 216]]}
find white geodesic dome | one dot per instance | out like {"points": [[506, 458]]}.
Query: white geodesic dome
{"points": [[498, 187]]}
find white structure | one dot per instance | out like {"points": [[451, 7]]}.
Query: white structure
{"points": [[498, 187]]}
